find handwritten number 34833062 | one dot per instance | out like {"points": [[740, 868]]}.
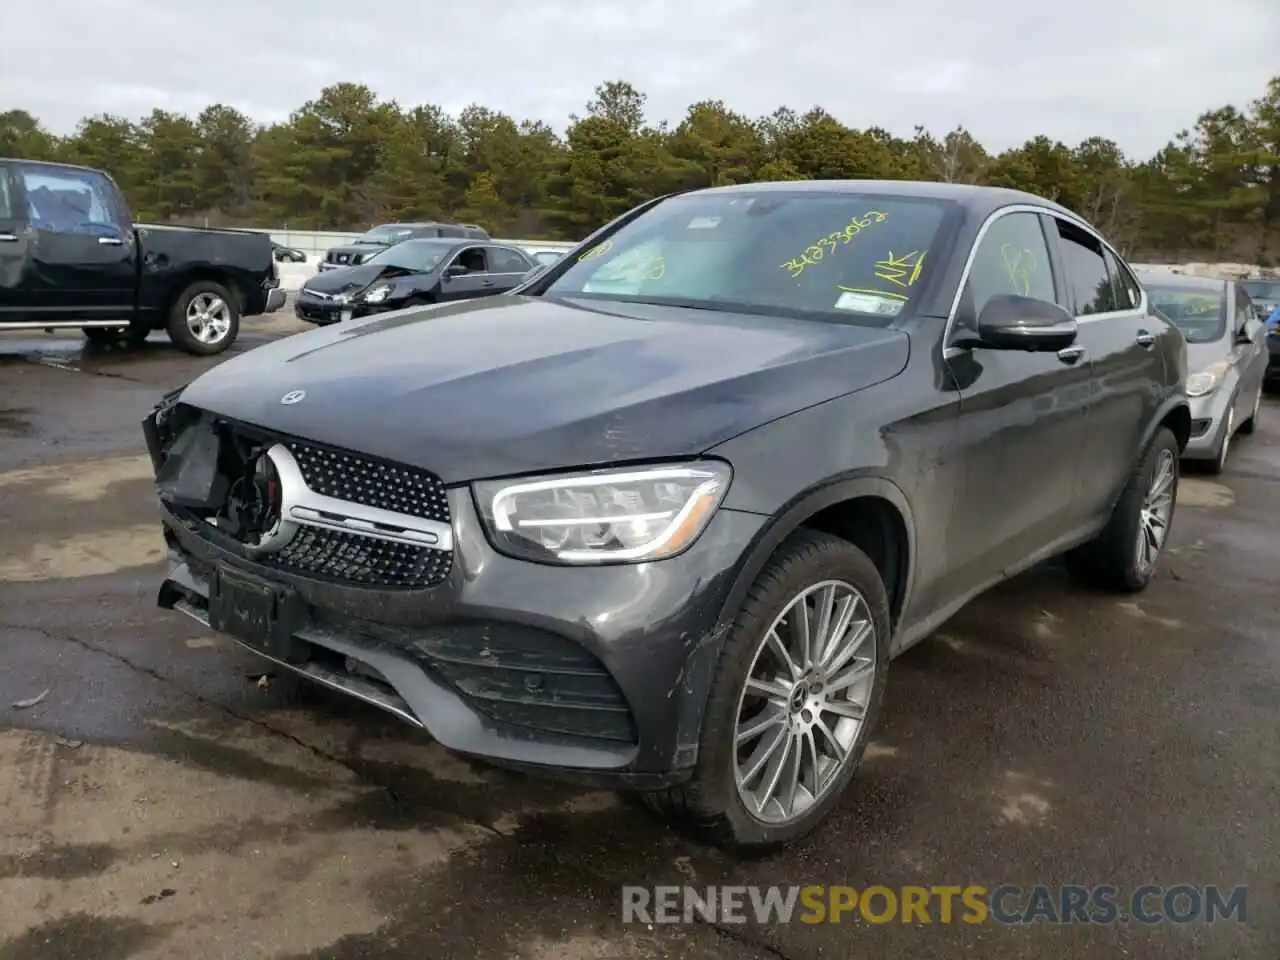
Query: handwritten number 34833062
{"points": [[829, 244]]}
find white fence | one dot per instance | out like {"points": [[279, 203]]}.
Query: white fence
{"points": [[314, 243]]}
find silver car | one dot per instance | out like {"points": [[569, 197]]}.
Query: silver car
{"points": [[1226, 359]]}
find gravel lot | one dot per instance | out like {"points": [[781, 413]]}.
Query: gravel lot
{"points": [[161, 801]]}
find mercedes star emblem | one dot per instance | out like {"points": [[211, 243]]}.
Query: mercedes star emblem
{"points": [[293, 396]]}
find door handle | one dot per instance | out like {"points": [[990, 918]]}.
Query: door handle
{"points": [[1070, 354], [111, 241], [1145, 339], [8, 238], [487, 283]]}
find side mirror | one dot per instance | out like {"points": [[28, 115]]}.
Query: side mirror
{"points": [[1011, 322], [456, 270]]}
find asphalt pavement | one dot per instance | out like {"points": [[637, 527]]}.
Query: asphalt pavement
{"points": [[164, 798]]}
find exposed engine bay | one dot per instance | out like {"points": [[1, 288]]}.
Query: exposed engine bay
{"points": [[207, 470]]}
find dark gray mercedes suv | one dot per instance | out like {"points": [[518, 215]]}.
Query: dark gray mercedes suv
{"points": [[661, 517]]}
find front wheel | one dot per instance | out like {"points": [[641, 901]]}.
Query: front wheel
{"points": [[204, 319], [796, 693], [1251, 425], [1123, 556]]}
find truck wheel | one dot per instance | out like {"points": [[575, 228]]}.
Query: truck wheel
{"points": [[795, 696], [134, 335], [205, 319]]}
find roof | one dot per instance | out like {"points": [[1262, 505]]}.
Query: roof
{"points": [[977, 199], [1181, 280]]}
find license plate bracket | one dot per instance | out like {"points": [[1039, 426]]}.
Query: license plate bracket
{"points": [[258, 613]]}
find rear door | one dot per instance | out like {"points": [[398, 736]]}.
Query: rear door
{"points": [[82, 252], [14, 243], [507, 268], [1121, 344]]}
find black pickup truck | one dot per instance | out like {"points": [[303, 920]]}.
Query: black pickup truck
{"points": [[71, 256]]}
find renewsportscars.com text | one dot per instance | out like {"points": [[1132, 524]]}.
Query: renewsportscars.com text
{"points": [[972, 904]]}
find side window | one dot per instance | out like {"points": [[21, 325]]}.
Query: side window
{"points": [[1012, 258], [473, 259], [1087, 276], [65, 200], [448, 231], [6, 204], [502, 260], [1124, 287], [1245, 312]]}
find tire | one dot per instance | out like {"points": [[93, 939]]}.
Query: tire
{"points": [[1250, 426], [711, 803], [134, 335], [1215, 466], [1111, 561], [214, 298]]}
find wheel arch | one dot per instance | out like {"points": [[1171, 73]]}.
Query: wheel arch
{"points": [[870, 512]]}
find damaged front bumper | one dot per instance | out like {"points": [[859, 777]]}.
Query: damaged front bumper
{"points": [[597, 674]]}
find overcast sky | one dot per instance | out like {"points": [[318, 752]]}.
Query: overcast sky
{"points": [[1133, 70]]}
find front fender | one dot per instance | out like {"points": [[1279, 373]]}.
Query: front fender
{"points": [[805, 505]]}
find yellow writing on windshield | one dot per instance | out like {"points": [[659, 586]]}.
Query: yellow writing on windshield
{"points": [[823, 246], [902, 270], [599, 250], [1020, 265]]}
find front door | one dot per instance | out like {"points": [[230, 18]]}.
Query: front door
{"points": [[81, 258], [1021, 423], [1121, 341], [473, 281], [14, 242]]}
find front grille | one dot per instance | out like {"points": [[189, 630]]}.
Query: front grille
{"points": [[373, 483], [353, 558]]}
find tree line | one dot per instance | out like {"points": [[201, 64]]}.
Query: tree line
{"points": [[348, 159]]}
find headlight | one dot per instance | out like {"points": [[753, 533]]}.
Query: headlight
{"points": [[606, 516], [1198, 384], [1206, 381], [378, 293]]}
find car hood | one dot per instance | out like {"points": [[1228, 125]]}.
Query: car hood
{"points": [[351, 279], [509, 385]]}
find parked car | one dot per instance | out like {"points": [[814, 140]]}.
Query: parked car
{"points": [[411, 274], [72, 257], [287, 254], [1265, 295], [389, 234], [1226, 357], [548, 257], [661, 517]]}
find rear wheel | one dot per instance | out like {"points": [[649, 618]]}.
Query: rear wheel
{"points": [[204, 319], [1123, 556], [796, 693]]}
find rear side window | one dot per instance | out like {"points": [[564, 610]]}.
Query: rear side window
{"points": [[1087, 276], [502, 260], [1012, 258], [6, 205], [1127, 293]]}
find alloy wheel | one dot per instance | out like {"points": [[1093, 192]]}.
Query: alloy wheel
{"points": [[805, 701], [1157, 510], [208, 317]]}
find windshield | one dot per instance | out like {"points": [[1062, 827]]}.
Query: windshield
{"points": [[1199, 312], [416, 255], [815, 254], [1268, 290], [386, 235]]}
